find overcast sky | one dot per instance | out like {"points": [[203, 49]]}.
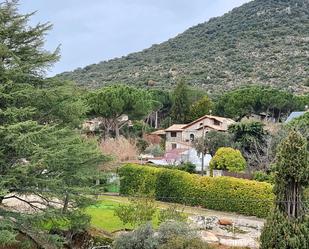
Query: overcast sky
{"points": [[90, 31]]}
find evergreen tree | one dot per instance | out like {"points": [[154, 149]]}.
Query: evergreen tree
{"points": [[200, 108], [287, 227], [301, 124], [41, 154], [256, 99], [111, 102], [180, 107]]}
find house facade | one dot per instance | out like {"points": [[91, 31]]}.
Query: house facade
{"points": [[181, 136]]}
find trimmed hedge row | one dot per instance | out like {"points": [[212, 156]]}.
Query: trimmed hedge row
{"points": [[219, 193]]}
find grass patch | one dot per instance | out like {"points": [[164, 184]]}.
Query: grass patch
{"points": [[103, 214]]}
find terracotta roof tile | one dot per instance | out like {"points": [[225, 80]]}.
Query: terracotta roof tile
{"points": [[176, 127], [220, 119]]}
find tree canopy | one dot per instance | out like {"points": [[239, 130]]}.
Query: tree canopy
{"points": [[255, 99], [287, 226], [200, 108], [212, 141], [113, 101], [41, 152], [180, 107], [301, 124]]}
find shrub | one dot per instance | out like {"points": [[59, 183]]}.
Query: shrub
{"points": [[228, 159], [261, 176], [171, 229], [181, 242], [141, 238], [281, 232], [155, 150], [138, 179], [171, 234], [138, 212], [187, 167], [219, 193], [141, 144]]}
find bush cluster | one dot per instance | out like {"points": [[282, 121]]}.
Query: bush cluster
{"points": [[261, 176], [227, 158], [170, 234], [221, 193]]}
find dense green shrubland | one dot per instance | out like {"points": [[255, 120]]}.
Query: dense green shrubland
{"points": [[259, 42]]}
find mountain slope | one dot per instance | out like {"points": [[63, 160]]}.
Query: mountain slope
{"points": [[262, 42]]}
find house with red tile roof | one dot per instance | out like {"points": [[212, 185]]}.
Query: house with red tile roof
{"points": [[181, 136]]}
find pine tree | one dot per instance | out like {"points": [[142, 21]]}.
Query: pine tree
{"points": [[287, 227], [111, 102], [180, 107], [41, 152]]}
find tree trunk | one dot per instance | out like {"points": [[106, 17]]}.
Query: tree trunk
{"points": [[202, 170], [65, 203], [156, 120], [267, 111], [292, 201], [117, 133]]}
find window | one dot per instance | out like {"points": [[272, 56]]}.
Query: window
{"points": [[174, 146], [191, 137], [173, 134], [216, 122]]}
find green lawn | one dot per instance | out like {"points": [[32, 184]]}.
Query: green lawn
{"points": [[103, 217]]}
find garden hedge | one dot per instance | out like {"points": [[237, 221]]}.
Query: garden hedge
{"points": [[218, 193]]}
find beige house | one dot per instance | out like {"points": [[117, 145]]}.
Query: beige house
{"points": [[181, 136]]}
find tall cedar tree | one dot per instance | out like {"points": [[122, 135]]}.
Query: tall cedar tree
{"points": [[41, 154], [287, 227], [180, 107]]}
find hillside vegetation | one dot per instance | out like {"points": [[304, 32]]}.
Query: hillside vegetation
{"points": [[261, 42]]}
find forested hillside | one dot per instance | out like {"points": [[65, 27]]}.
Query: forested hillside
{"points": [[261, 42]]}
